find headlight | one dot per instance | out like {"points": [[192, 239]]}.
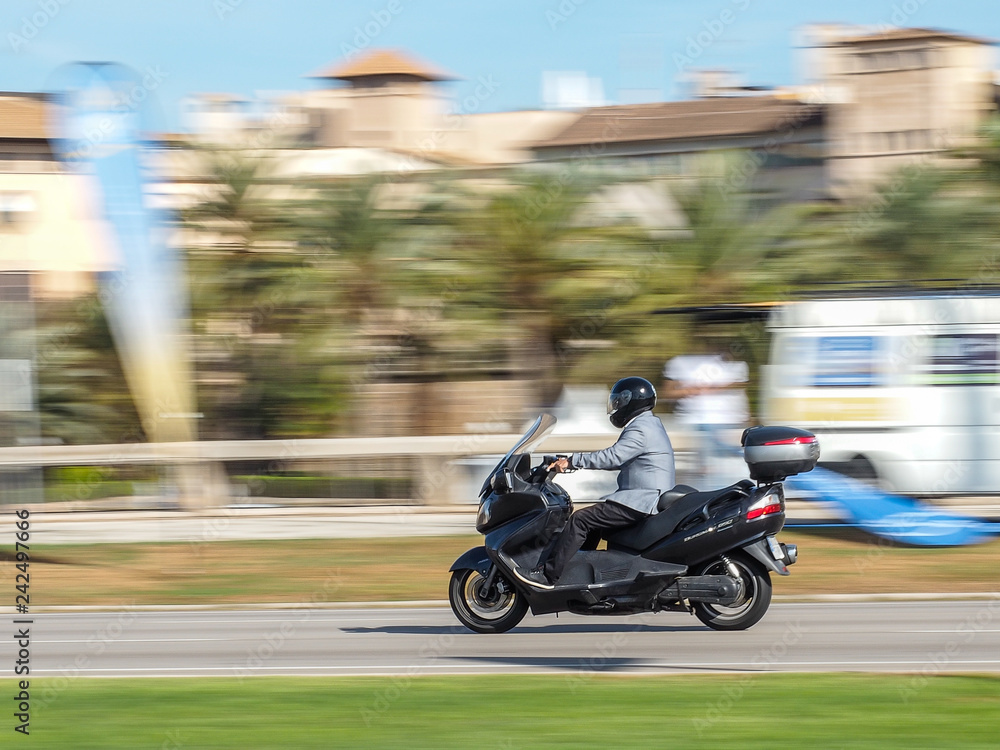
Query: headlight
{"points": [[483, 517]]}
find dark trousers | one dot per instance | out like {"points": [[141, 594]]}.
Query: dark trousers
{"points": [[584, 531]]}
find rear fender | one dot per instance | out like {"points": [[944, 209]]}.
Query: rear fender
{"points": [[760, 552], [475, 559]]}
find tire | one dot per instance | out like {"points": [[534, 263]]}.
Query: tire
{"points": [[498, 612], [861, 469], [751, 608]]}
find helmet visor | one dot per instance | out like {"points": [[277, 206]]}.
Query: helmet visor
{"points": [[617, 400]]}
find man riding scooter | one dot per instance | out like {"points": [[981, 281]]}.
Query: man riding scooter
{"points": [[645, 461]]}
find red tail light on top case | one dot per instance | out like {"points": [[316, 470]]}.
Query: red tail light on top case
{"points": [[802, 440]]}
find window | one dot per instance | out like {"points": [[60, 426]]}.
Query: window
{"points": [[15, 210], [961, 359], [833, 361], [875, 62], [887, 61], [848, 361]]}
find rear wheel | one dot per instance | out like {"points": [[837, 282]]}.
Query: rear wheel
{"points": [[495, 610], [754, 599]]}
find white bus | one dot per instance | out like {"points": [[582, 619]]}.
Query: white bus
{"points": [[903, 390]]}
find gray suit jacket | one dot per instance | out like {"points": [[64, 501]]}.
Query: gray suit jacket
{"points": [[645, 458]]}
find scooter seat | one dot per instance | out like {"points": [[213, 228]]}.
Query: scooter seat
{"points": [[669, 497], [648, 532]]}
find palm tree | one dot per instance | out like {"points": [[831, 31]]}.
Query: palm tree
{"points": [[261, 315], [730, 252], [82, 394], [924, 223], [525, 260], [344, 224], [371, 236], [985, 151]]}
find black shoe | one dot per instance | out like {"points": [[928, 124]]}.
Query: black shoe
{"points": [[535, 577]]}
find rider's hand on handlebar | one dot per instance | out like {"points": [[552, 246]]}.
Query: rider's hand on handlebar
{"points": [[560, 465]]}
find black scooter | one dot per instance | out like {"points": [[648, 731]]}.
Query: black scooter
{"points": [[710, 553]]}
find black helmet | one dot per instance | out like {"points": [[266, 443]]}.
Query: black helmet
{"points": [[630, 396]]}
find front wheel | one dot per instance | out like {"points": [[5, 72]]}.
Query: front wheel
{"points": [[496, 610], [754, 599]]}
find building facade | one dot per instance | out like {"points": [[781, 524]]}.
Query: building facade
{"points": [[896, 98], [49, 226]]}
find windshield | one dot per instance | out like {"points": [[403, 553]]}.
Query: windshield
{"points": [[535, 434]]}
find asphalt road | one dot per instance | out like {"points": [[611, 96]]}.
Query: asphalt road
{"points": [[914, 637]]}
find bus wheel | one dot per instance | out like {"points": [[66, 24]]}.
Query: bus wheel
{"points": [[861, 468]]}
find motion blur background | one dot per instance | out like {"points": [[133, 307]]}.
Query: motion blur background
{"points": [[405, 220]]}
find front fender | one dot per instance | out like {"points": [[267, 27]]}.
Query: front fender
{"points": [[475, 559]]}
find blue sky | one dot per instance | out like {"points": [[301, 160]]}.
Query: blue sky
{"points": [[251, 46]]}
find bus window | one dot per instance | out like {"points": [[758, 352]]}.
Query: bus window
{"points": [[847, 361], [961, 359], [794, 357]]}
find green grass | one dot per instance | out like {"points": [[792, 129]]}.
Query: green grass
{"points": [[504, 712]]}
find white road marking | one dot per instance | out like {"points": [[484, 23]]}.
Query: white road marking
{"points": [[107, 641], [953, 630]]}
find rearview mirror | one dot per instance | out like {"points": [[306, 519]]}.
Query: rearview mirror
{"points": [[503, 480]]}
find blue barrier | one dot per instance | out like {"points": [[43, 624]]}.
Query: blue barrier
{"points": [[902, 519]]}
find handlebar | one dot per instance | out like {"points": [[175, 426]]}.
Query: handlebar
{"points": [[543, 471], [540, 473]]}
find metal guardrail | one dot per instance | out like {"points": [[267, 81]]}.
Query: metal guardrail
{"points": [[202, 481], [448, 446]]}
